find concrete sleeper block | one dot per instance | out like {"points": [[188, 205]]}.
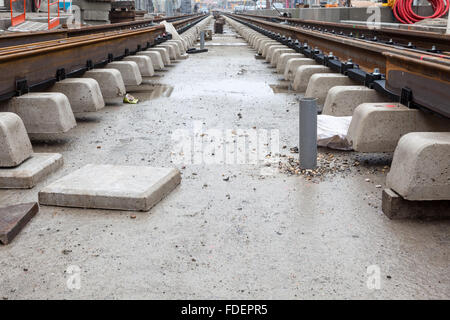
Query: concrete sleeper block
{"points": [[320, 83], [293, 64], [343, 100], [144, 63], [170, 49], [84, 94], [110, 82], [155, 57], [276, 55], [420, 168], [272, 49], [284, 58], [130, 72], [43, 112], [164, 52], [15, 145], [304, 73], [377, 127]]}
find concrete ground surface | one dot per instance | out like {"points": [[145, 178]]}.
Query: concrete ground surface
{"points": [[228, 231]]}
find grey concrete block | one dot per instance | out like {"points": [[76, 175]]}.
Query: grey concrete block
{"points": [[320, 83], [110, 82], [343, 100], [164, 52], [170, 47], [377, 127], [42, 112], [304, 73], [420, 168], [144, 63], [95, 15], [31, 171], [84, 94], [111, 187], [270, 50], [293, 64], [266, 46], [284, 58], [129, 70], [276, 55], [15, 146], [155, 57]]}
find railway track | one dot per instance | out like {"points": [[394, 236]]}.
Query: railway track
{"points": [[413, 76], [36, 65], [19, 38], [423, 40]]}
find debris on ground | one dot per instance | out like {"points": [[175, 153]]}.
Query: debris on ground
{"points": [[130, 99]]}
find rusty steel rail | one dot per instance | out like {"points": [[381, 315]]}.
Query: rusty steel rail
{"points": [[416, 79], [423, 40], [33, 67], [19, 38]]}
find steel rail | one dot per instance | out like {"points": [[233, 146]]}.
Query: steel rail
{"points": [[21, 38], [424, 40], [410, 80], [37, 67]]}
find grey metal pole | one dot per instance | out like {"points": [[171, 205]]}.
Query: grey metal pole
{"points": [[202, 39], [308, 133]]}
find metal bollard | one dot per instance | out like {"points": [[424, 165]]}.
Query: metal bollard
{"points": [[202, 40], [308, 133]]}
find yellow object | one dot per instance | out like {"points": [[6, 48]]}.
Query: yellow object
{"points": [[130, 99], [390, 3]]}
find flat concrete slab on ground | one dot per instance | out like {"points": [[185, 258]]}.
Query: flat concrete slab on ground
{"points": [[14, 218], [135, 188], [31, 171]]}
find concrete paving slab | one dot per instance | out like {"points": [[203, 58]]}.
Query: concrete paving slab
{"points": [[15, 145], [320, 83], [14, 218], [31, 171], [164, 52], [114, 187], [110, 82], [42, 112], [84, 94], [343, 100], [144, 63], [129, 70], [420, 168]]}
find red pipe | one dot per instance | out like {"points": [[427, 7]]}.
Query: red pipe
{"points": [[403, 10]]}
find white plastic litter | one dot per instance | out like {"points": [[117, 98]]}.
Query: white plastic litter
{"points": [[332, 132], [171, 29]]}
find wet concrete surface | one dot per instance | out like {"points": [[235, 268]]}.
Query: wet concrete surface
{"points": [[229, 230]]}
